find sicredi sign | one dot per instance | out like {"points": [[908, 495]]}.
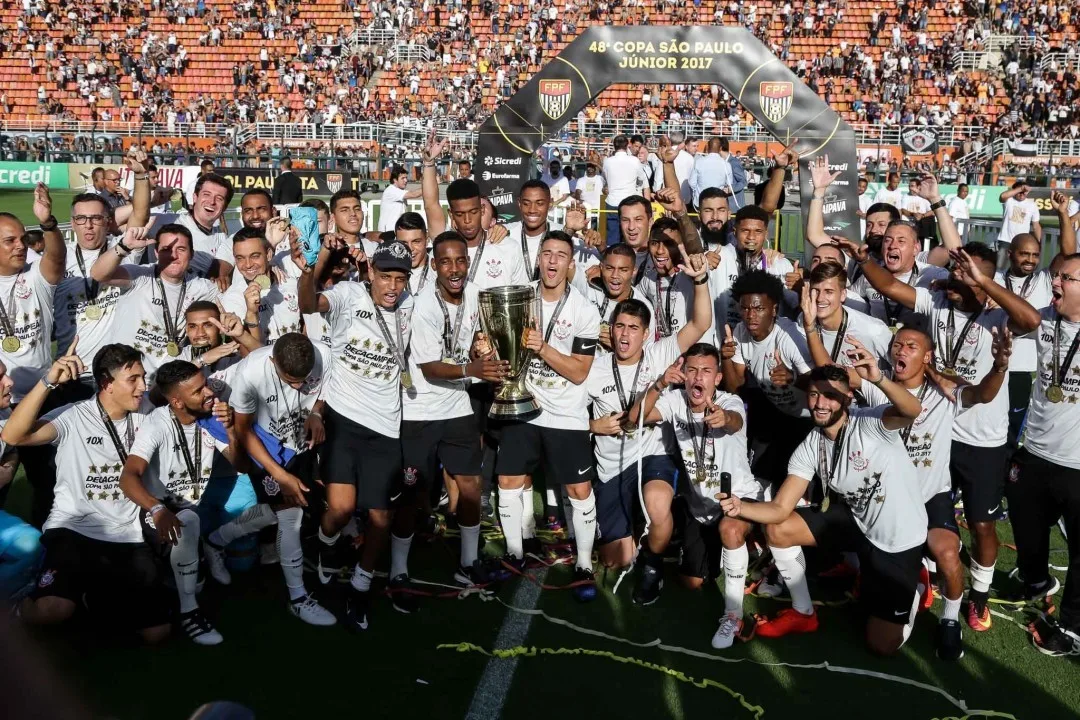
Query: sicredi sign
{"points": [[26, 175]]}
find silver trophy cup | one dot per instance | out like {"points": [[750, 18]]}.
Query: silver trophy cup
{"points": [[505, 314]]}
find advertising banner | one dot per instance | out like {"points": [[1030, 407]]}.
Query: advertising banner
{"points": [[26, 175], [727, 56], [314, 182]]}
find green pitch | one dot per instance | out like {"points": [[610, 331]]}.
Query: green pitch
{"points": [[437, 663]]}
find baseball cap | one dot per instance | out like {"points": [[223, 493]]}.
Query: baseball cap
{"points": [[391, 256]]}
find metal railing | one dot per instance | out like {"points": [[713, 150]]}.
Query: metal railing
{"points": [[374, 36], [1064, 60], [1024, 42], [409, 52], [975, 60]]}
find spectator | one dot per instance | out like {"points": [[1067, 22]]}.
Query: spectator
{"points": [[710, 170], [620, 177], [288, 189], [394, 199]]}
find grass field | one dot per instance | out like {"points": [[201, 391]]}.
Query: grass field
{"points": [[615, 660]]}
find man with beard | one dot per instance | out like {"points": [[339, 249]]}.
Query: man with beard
{"points": [[710, 540], [205, 328], [613, 286], [94, 549], [870, 504], [212, 251], [166, 473], [370, 328], [1044, 475], [829, 327], [256, 209], [564, 345], [1025, 279], [439, 431], [411, 231], [961, 325], [763, 360], [716, 229], [614, 383], [890, 194], [157, 296], [268, 304]]}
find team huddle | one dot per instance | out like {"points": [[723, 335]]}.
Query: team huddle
{"points": [[696, 389]]}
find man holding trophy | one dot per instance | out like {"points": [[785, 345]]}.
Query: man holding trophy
{"points": [[561, 334]]}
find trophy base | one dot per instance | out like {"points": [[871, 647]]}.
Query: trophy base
{"points": [[518, 409]]}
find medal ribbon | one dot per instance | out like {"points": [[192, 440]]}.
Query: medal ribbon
{"points": [[169, 320], [700, 455], [194, 468], [1059, 375], [1024, 289], [663, 325], [952, 349], [129, 433], [623, 401], [890, 315], [906, 432], [476, 257], [840, 334], [450, 341], [395, 348], [827, 473], [8, 310], [554, 315], [90, 284]]}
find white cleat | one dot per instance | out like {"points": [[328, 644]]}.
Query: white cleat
{"points": [[724, 636], [198, 629], [215, 563], [311, 612]]}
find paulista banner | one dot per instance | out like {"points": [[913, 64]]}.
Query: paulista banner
{"points": [[702, 55], [314, 182]]}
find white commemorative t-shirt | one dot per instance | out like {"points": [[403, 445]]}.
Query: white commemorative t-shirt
{"points": [[863, 297], [317, 328], [723, 276], [208, 371], [497, 265], [279, 308], [420, 278], [168, 478], [1038, 292], [563, 404], [670, 298], [527, 245], [929, 440], [365, 377], [88, 498], [606, 306], [759, 359], [1017, 217], [214, 245], [257, 389], [72, 300], [875, 479], [142, 323], [985, 425], [30, 312], [724, 452], [437, 336], [871, 332], [615, 453], [1053, 428]]}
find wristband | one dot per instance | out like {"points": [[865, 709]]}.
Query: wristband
{"points": [[464, 373], [877, 383], [815, 196], [703, 280], [315, 413], [251, 325], [49, 224], [144, 176], [50, 386], [121, 249], [154, 510], [937, 206]]}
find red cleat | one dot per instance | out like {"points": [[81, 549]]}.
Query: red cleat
{"points": [[978, 618], [926, 597], [786, 622]]}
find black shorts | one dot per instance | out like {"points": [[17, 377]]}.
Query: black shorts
{"points": [[940, 513], [979, 474], [567, 455], [889, 580], [481, 396], [118, 580], [367, 460], [428, 444], [303, 465], [617, 504], [702, 551]]}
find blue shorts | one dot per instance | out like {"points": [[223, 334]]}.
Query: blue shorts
{"points": [[617, 499]]}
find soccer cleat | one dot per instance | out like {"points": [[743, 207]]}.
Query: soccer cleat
{"points": [[215, 563], [310, 611], [1057, 642], [198, 629], [772, 585], [513, 564], [444, 499], [978, 616], [400, 597], [786, 622], [1029, 593], [268, 554], [532, 546], [331, 560], [586, 591], [487, 510], [950, 640], [649, 584], [729, 628], [926, 589], [481, 572], [356, 609]]}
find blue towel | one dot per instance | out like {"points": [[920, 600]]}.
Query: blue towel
{"points": [[281, 454]]}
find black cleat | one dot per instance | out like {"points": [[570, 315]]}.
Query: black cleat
{"points": [[356, 609], [332, 560], [950, 640], [400, 597], [1029, 593], [532, 546], [649, 584], [586, 591], [481, 572]]}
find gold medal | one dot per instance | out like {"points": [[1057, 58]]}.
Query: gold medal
{"points": [[172, 349], [700, 477], [11, 344], [948, 371], [93, 312], [263, 281], [1053, 393], [406, 379], [825, 502], [449, 360], [605, 327]]}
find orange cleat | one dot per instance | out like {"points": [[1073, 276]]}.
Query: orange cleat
{"points": [[979, 621], [786, 622], [926, 596]]}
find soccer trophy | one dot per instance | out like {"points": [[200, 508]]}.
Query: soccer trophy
{"points": [[505, 314]]}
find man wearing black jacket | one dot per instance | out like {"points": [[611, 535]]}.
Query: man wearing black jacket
{"points": [[287, 190]]}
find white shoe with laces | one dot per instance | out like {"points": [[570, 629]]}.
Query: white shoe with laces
{"points": [[724, 637], [198, 629], [310, 611], [215, 563]]}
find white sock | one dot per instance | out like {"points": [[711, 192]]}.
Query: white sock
{"points": [[184, 558], [931, 566], [252, 520], [910, 624], [792, 567], [568, 511], [330, 540], [981, 577], [361, 579], [510, 515], [952, 609], [583, 520], [470, 544], [528, 513], [736, 563], [290, 555], [550, 501], [399, 555]]}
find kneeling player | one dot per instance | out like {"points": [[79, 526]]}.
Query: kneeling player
{"points": [[710, 428], [871, 504]]}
